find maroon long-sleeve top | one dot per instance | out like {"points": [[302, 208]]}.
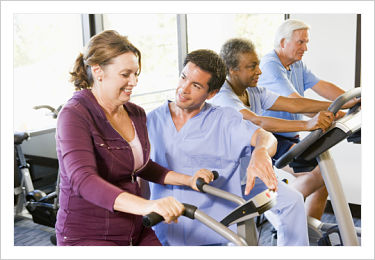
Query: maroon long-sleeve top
{"points": [[96, 165]]}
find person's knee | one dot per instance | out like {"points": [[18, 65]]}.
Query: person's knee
{"points": [[317, 173], [297, 196], [290, 195]]}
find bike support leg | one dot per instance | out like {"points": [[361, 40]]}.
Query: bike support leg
{"points": [[248, 231], [339, 203]]}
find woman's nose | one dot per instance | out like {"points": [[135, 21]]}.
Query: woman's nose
{"points": [[133, 80]]}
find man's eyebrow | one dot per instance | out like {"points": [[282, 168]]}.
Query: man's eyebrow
{"points": [[195, 82]]}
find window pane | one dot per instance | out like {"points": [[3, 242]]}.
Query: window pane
{"points": [[45, 48], [156, 37], [210, 31]]}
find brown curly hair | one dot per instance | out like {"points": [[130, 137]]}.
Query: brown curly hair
{"points": [[101, 49]]}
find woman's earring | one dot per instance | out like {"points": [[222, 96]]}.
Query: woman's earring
{"points": [[99, 79]]}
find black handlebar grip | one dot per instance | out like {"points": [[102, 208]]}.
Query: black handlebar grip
{"points": [[19, 137], [189, 211], [216, 175], [200, 182], [152, 219]]}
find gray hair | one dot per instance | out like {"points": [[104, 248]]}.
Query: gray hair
{"points": [[231, 50], [286, 30]]}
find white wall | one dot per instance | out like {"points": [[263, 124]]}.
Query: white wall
{"points": [[331, 56], [42, 145]]}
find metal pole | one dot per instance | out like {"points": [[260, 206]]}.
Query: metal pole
{"points": [[339, 203], [182, 39]]}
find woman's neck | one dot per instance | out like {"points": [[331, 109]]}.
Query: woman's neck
{"points": [[109, 108], [237, 88]]}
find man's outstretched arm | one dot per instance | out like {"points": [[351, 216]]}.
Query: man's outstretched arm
{"points": [[260, 165]]}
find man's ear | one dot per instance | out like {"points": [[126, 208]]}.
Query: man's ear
{"points": [[96, 71], [282, 42], [212, 93]]}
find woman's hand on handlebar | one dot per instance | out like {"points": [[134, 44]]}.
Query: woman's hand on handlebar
{"points": [[322, 120], [260, 166], [169, 208], [205, 174]]}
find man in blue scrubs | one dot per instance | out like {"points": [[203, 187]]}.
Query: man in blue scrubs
{"points": [[284, 73], [188, 134]]}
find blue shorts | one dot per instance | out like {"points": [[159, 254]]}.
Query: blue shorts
{"points": [[283, 145]]}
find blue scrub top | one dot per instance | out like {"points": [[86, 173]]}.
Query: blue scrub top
{"points": [[275, 77], [260, 99], [214, 139]]}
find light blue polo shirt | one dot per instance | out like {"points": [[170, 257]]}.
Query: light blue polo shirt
{"points": [[275, 77]]}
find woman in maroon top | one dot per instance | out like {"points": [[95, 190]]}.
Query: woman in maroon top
{"points": [[102, 147]]}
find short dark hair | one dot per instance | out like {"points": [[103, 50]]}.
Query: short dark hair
{"points": [[231, 50], [210, 62]]}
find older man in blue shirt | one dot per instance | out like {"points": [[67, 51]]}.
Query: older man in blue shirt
{"points": [[284, 72]]}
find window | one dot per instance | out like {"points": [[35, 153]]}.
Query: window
{"points": [[45, 48], [210, 31], [155, 35]]}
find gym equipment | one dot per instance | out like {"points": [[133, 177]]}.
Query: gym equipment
{"points": [[243, 215], [42, 207], [193, 212], [315, 147]]}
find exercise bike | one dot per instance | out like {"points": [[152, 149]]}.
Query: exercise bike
{"points": [[43, 207], [313, 150], [243, 215]]}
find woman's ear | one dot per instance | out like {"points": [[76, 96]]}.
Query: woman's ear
{"points": [[232, 72], [96, 71]]}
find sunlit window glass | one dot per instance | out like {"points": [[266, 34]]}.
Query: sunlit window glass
{"points": [[155, 35], [45, 48], [212, 30]]}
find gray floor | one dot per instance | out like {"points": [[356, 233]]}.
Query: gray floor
{"points": [[27, 233]]}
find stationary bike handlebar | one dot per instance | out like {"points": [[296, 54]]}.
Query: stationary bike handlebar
{"points": [[201, 183], [154, 218], [207, 188], [299, 148], [193, 212]]}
